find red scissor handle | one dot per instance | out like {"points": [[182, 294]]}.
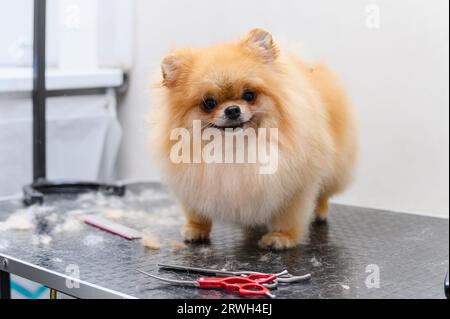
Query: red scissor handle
{"points": [[262, 278], [253, 290], [244, 286]]}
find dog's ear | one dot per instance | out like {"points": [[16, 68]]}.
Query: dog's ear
{"points": [[261, 42], [174, 66]]}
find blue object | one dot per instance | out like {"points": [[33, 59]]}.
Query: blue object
{"points": [[28, 293]]}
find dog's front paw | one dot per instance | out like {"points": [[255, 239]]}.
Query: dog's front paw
{"points": [[278, 241], [196, 233]]}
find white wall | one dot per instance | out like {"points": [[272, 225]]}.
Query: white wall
{"points": [[397, 77]]}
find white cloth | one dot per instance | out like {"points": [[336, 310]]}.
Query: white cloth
{"points": [[83, 137]]}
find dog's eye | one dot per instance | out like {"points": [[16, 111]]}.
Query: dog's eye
{"points": [[209, 104], [249, 96]]}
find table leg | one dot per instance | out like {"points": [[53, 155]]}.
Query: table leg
{"points": [[5, 285], [53, 294]]}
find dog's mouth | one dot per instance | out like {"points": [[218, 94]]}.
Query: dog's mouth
{"points": [[232, 126]]}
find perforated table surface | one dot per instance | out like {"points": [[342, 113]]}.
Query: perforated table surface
{"points": [[360, 253]]}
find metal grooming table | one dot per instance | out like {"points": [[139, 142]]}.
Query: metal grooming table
{"points": [[410, 252]]}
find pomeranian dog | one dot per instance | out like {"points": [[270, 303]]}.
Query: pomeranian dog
{"points": [[253, 83]]}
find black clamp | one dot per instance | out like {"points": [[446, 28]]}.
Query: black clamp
{"points": [[35, 193]]}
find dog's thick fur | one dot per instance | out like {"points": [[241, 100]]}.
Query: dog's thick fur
{"points": [[317, 139]]}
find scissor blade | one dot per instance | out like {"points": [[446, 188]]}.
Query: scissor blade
{"points": [[270, 295], [294, 279], [172, 281], [197, 270]]}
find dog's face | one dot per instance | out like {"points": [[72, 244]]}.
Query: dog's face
{"points": [[226, 86]]}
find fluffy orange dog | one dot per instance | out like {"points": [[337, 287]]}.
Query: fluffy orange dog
{"points": [[246, 83]]}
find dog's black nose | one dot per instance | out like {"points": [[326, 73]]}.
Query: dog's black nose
{"points": [[233, 112]]}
